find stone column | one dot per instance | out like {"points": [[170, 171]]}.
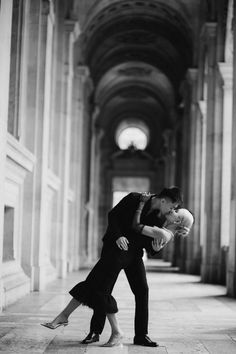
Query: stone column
{"points": [[196, 262], [80, 75], [211, 245], [226, 70], [83, 158], [202, 214], [231, 271], [5, 49], [71, 34], [29, 132], [93, 185], [193, 242], [76, 161], [97, 236], [169, 157], [180, 253], [40, 257]]}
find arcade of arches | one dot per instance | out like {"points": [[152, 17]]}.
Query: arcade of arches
{"points": [[102, 97]]}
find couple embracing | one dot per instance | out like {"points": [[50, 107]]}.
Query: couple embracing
{"points": [[139, 221]]}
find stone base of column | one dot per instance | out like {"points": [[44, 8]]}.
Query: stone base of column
{"points": [[210, 273], [193, 266], [41, 275], [222, 271], [168, 253], [1, 295], [63, 268], [15, 284], [231, 283]]}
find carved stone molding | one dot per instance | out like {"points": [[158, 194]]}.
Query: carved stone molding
{"points": [[226, 71], [192, 74], [203, 109], [209, 30]]}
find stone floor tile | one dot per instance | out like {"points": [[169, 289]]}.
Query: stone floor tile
{"points": [[218, 346]]}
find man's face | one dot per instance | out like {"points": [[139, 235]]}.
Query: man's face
{"points": [[166, 206]]}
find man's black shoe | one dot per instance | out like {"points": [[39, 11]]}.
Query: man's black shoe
{"points": [[145, 341], [91, 338]]}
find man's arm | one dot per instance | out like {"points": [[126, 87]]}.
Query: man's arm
{"points": [[118, 217], [160, 236]]}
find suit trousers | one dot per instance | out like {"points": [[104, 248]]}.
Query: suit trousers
{"points": [[132, 263]]}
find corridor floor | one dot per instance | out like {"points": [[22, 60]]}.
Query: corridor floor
{"points": [[185, 317]]}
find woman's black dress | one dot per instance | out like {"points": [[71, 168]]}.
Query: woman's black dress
{"points": [[95, 290]]}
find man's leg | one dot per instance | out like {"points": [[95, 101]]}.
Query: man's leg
{"points": [[97, 324], [136, 275]]}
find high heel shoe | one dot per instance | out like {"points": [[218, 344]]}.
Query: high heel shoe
{"points": [[115, 340], [51, 326]]}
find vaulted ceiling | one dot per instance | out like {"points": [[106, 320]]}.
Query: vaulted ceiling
{"points": [[138, 52]]}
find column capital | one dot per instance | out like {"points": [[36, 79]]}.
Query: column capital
{"points": [[95, 113], [47, 9], [72, 27], [46, 4], [203, 109], [209, 30], [226, 71], [191, 75], [82, 71]]}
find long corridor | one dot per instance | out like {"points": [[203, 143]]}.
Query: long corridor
{"points": [[186, 316]]}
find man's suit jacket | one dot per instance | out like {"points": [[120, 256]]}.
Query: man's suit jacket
{"points": [[120, 219]]}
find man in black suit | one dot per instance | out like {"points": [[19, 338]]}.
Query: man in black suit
{"points": [[120, 234]]}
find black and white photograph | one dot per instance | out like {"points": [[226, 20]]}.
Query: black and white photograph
{"points": [[118, 176]]}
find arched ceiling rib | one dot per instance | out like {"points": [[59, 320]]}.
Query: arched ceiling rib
{"points": [[135, 79], [148, 31]]}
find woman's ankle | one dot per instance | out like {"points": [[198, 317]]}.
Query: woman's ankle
{"points": [[61, 318], [117, 332]]}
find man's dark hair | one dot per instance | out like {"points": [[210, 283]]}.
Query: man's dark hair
{"points": [[174, 193]]}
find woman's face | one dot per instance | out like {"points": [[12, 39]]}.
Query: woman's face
{"points": [[183, 219], [173, 217]]}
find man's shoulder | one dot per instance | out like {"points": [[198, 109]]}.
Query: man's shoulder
{"points": [[132, 195], [135, 194]]}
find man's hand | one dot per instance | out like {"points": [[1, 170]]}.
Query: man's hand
{"points": [[122, 243], [157, 245]]}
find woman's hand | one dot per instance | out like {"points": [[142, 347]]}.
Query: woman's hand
{"points": [[144, 197], [182, 231]]}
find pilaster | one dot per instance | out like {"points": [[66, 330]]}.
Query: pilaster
{"points": [[41, 252], [193, 240], [231, 271], [211, 243], [71, 32], [93, 188], [76, 163], [5, 48], [226, 71]]}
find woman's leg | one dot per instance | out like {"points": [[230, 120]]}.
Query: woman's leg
{"points": [[116, 332], [64, 314], [115, 327]]}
